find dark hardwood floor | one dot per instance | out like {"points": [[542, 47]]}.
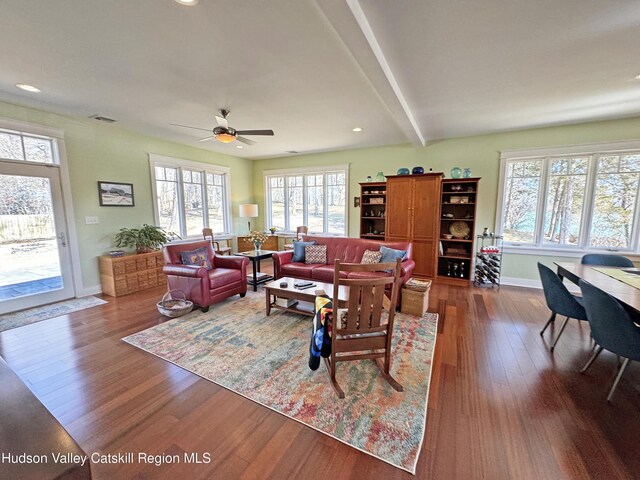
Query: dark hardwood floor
{"points": [[501, 406]]}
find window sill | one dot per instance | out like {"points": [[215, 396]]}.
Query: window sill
{"points": [[561, 252]]}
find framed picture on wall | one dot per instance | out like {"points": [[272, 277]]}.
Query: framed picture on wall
{"points": [[114, 194]]}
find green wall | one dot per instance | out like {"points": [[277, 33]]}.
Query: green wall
{"points": [[480, 153], [97, 151]]}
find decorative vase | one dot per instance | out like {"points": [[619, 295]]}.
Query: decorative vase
{"points": [[369, 179], [417, 170], [379, 177], [456, 172], [258, 246], [403, 171], [466, 173]]}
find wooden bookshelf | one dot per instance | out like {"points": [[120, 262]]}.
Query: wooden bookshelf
{"points": [[457, 216]]}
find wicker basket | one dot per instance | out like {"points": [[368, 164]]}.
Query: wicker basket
{"points": [[414, 302], [172, 307]]}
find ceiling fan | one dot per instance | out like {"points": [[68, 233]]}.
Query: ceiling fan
{"points": [[226, 134]]}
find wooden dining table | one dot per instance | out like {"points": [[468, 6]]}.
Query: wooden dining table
{"points": [[624, 293]]}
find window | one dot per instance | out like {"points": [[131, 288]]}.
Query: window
{"points": [[31, 148], [316, 198], [190, 196], [585, 199]]}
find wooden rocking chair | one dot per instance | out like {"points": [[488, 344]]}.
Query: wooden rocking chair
{"points": [[360, 327]]}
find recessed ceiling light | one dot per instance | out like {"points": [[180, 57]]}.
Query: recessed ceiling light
{"points": [[187, 2], [357, 129], [28, 88], [239, 146], [637, 77]]}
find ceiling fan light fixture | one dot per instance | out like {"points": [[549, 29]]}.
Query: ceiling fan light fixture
{"points": [[225, 137]]}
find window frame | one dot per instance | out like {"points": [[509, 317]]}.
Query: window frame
{"points": [[304, 172], [546, 155], [181, 164], [53, 136]]}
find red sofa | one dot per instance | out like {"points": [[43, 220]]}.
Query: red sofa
{"points": [[205, 287], [348, 250]]}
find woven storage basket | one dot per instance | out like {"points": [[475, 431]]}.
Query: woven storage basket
{"points": [[172, 307], [414, 302]]}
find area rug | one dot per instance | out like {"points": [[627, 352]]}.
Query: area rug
{"points": [[265, 359], [38, 314]]}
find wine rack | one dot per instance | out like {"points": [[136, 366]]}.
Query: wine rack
{"points": [[488, 261]]}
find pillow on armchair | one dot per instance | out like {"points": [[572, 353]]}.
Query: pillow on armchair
{"points": [[197, 257]]}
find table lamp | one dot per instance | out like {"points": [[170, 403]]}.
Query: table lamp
{"points": [[248, 210]]}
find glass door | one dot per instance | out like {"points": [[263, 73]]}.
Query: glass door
{"points": [[35, 265]]}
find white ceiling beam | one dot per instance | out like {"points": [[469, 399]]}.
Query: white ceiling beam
{"points": [[373, 65], [367, 31]]}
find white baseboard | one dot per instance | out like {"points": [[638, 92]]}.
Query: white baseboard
{"points": [[85, 292], [521, 282], [534, 283]]}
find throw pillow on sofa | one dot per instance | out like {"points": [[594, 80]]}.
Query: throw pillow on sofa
{"points": [[390, 255], [315, 254], [298, 250], [199, 257], [371, 256]]}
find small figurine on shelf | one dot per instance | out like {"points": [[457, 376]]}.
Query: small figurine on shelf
{"points": [[485, 232]]}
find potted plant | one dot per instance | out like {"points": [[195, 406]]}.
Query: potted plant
{"points": [[272, 230], [145, 239]]}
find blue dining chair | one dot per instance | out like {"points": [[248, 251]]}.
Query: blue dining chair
{"points": [[559, 300], [612, 328], [606, 260]]}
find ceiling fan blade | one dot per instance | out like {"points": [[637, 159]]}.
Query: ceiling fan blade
{"points": [[207, 138], [245, 140], [222, 122], [187, 126], [254, 132]]}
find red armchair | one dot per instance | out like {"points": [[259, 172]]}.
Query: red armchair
{"points": [[203, 287]]}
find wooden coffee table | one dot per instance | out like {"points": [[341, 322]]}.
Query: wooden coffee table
{"points": [[273, 290]]}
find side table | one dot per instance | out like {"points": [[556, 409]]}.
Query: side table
{"points": [[257, 277]]}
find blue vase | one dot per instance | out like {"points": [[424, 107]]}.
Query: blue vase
{"points": [[456, 172], [403, 171], [466, 173], [417, 170]]}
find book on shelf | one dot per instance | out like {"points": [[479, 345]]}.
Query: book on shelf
{"points": [[285, 302]]}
